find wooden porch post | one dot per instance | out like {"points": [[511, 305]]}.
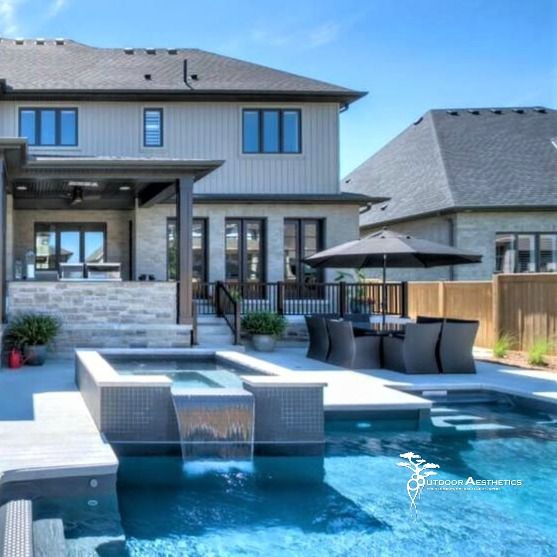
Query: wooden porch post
{"points": [[184, 218], [2, 243]]}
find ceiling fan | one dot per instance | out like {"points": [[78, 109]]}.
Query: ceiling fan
{"points": [[77, 195]]}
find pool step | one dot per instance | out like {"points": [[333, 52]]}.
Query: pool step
{"points": [[48, 538]]}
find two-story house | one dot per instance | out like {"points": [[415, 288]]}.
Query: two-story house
{"points": [[111, 158]]}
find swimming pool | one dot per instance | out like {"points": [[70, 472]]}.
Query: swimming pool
{"points": [[187, 371], [354, 500]]}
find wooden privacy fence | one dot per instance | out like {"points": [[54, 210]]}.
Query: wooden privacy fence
{"points": [[521, 305]]}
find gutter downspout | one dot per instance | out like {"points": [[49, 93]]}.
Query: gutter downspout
{"points": [[452, 237]]}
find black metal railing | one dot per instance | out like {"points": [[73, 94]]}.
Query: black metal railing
{"points": [[228, 305], [288, 298]]}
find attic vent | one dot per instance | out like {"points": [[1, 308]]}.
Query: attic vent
{"points": [[172, 51], [541, 110], [39, 41], [518, 110], [452, 112], [474, 112], [418, 120], [60, 41], [194, 76], [19, 41], [150, 50], [496, 111], [129, 50], [147, 76], [384, 206]]}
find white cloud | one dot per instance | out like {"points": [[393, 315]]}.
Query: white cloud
{"points": [[309, 37], [56, 6], [324, 34], [9, 25]]}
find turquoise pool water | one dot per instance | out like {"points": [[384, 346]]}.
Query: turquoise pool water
{"points": [[187, 372], [354, 502]]}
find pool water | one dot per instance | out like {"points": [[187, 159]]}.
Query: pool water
{"points": [[353, 502], [186, 372]]}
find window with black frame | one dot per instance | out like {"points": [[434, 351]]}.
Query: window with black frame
{"points": [[199, 249], [69, 243], [302, 238], [271, 131], [49, 127], [526, 252], [245, 250]]}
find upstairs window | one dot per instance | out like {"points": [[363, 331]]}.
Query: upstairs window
{"points": [[152, 127], [49, 127], [271, 131]]}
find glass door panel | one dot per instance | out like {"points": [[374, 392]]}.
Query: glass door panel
{"points": [[70, 251], [45, 250], [94, 247]]}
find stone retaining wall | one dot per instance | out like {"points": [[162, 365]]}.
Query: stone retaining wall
{"points": [[104, 314]]}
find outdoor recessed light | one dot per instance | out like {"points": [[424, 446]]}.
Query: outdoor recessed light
{"points": [[125, 188], [21, 188], [83, 184]]}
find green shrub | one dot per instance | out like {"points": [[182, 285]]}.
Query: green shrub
{"points": [[538, 351], [502, 345], [264, 323], [32, 329]]}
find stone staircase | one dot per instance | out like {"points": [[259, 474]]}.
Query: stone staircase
{"points": [[213, 331]]}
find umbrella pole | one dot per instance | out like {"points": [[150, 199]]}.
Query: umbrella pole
{"points": [[384, 296]]}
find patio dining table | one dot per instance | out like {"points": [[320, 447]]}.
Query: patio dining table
{"points": [[378, 329]]}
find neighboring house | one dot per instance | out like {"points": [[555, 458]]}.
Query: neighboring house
{"points": [[479, 179], [101, 149]]}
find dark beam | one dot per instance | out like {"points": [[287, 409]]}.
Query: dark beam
{"points": [[184, 218], [2, 243], [155, 193]]}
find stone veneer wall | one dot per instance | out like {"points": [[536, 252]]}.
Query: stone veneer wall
{"points": [[105, 314]]}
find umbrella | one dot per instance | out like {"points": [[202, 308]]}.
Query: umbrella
{"points": [[389, 249]]}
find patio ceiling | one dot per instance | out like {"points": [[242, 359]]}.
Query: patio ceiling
{"points": [[93, 182]]}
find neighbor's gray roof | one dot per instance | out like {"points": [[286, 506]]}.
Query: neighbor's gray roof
{"points": [[463, 159], [63, 67]]}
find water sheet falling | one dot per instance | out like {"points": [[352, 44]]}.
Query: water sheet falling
{"points": [[215, 424]]}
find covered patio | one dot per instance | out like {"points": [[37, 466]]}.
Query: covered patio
{"points": [[87, 221]]}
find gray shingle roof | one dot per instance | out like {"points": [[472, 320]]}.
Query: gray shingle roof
{"points": [[463, 158], [72, 66]]}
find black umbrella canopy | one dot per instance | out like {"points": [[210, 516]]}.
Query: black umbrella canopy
{"points": [[393, 249]]}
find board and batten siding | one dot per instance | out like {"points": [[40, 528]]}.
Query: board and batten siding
{"points": [[206, 131]]}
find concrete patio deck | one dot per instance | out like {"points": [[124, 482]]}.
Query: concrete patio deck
{"points": [[45, 428], [378, 389]]}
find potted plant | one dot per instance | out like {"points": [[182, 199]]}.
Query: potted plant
{"points": [[264, 327], [33, 333]]}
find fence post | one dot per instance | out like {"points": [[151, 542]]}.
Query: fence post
{"points": [[441, 298], [218, 307], [280, 297], [404, 299], [496, 308], [342, 298]]}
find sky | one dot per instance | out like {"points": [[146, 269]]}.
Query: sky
{"points": [[409, 55]]}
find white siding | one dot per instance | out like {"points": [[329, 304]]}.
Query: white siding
{"points": [[207, 131]]}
